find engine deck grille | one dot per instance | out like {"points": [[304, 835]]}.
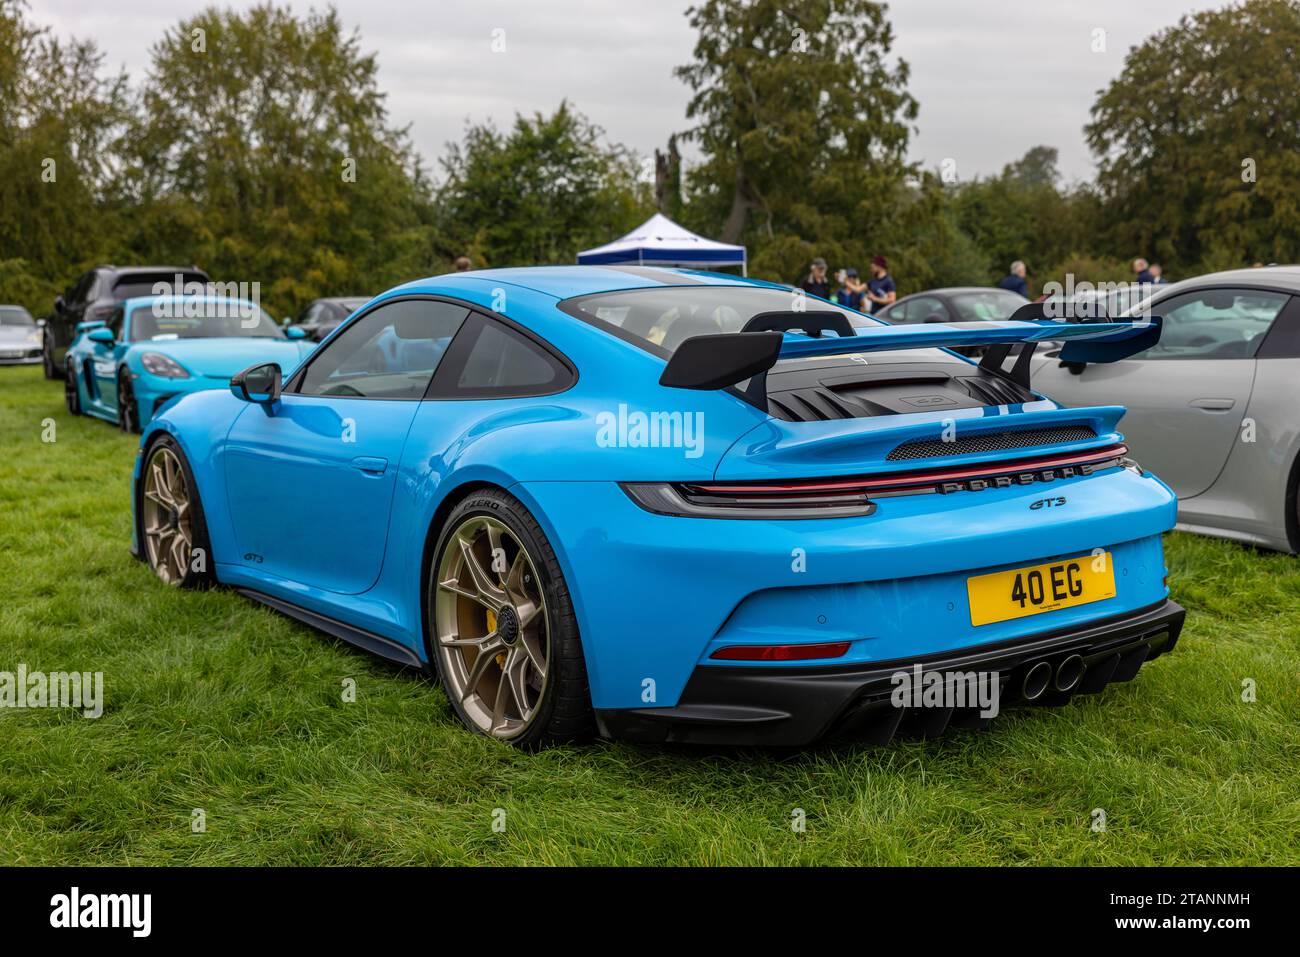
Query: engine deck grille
{"points": [[991, 442]]}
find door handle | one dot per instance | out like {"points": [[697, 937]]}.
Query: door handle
{"points": [[370, 464], [1213, 405]]}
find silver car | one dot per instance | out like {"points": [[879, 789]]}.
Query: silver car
{"points": [[1214, 408], [20, 337]]}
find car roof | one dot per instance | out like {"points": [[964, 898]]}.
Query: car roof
{"points": [[954, 290], [1286, 277], [127, 270], [138, 301], [567, 282]]}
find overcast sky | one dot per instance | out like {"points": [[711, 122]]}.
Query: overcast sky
{"points": [[993, 77]]}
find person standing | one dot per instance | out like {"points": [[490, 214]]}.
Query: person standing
{"points": [[852, 292], [1015, 280], [1157, 275], [817, 284], [1141, 272], [881, 290]]}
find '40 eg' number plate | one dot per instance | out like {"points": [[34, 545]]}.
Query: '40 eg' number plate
{"points": [[1035, 589]]}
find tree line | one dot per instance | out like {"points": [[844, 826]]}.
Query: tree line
{"points": [[258, 145]]}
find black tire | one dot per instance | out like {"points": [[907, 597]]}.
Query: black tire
{"points": [[128, 413], [71, 393], [1291, 507], [563, 713], [47, 359], [197, 573]]}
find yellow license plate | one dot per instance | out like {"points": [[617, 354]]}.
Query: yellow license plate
{"points": [[1035, 589]]}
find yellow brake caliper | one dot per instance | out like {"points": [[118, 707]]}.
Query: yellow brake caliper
{"points": [[492, 626]]}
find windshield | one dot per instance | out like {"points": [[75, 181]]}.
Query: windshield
{"points": [[15, 316], [661, 318], [991, 304], [344, 308], [135, 285], [203, 320]]}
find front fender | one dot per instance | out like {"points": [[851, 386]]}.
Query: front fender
{"points": [[199, 423]]}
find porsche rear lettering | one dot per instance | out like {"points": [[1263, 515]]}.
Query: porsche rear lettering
{"points": [[1019, 478]]}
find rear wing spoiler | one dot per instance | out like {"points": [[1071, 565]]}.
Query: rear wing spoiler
{"points": [[722, 360]]}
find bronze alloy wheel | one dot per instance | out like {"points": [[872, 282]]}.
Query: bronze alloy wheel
{"points": [[167, 516], [492, 637]]}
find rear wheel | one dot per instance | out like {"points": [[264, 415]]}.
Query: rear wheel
{"points": [[502, 630], [71, 394], [1291, 507], [172, 528], [128, 413]]}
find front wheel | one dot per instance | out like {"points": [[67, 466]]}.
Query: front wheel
{"points": [[128, 413], [71, 394], [502, 629], [172, 526], [47, 359]]}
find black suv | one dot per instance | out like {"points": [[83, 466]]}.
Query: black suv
{"points": [[95, 295], [323, 316]]}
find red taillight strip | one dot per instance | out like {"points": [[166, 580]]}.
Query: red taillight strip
{"points": [[922, 478], [830, 649]]}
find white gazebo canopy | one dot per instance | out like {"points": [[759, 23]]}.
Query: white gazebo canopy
{"points": [[661, 242]]}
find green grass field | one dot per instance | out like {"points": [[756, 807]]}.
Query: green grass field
{"points": [[215, 703]]}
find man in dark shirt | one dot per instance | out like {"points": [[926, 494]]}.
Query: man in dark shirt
{"points": [[881, 290], [1141, 271], [817, 284], [1015, 280]]}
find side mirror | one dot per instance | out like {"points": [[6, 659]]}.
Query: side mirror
{"points": [[293, 332], [102, 336], [40, 323], [58, 303], [259, 383]]}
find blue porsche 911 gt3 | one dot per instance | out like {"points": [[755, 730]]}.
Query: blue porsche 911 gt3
{"points": [[677, 506], [154, 348]]}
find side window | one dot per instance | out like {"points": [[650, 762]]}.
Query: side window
{"points": [[1215, 323], [492, 360], [80, 288], [312, 313], [390, 353], [1283, 339], [920, 309], [115, 322]]}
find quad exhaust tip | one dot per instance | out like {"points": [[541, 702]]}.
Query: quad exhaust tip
{"points": [[1069, 673], [1036, 679]]}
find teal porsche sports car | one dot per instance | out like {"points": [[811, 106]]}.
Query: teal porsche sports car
{"points": [[154, 348]]}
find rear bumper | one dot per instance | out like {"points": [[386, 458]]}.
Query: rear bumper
{"points": [[796, 706]]}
